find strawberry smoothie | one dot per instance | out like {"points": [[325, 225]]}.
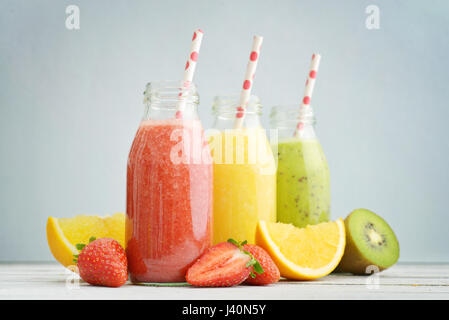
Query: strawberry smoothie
{"points": [[169, 202]]}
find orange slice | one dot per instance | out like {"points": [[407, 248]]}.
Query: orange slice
{"points": [[64, 233], [303, 253]]}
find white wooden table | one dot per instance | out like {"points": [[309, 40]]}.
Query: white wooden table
{"points": [[403, 281]]}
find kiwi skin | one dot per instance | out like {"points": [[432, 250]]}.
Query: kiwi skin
{"points": [[353, 260]]}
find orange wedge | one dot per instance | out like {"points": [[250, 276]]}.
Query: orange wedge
{"points": [[64, 233], [303, 253]]}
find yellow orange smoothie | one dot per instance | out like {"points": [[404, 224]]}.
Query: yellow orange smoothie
{"points": [[244, 183]]}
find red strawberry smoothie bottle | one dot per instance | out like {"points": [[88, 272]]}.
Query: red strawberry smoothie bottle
{"points": [[169, 187]]}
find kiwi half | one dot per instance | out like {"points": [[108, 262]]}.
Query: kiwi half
{"points": [[369, 242]]}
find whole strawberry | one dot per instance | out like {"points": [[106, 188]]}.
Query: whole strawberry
{"points": [[102, 262], [271, 272], [223, 265]]}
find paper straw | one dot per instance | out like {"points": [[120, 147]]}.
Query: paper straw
{"points": [[310, 84], [248, 82], [190, 68]]}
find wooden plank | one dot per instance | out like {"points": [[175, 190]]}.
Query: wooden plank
{"points": [[403, 281]]}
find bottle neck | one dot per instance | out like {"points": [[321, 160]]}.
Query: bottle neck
{"points": [[293, 121], [226, 109], [170, 99]]}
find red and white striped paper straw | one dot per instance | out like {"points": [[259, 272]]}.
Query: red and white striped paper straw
{"points": [[190, 67], [248, 82], [310, 84]]}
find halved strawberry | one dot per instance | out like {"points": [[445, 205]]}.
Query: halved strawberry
{"points": [[223, 265], [271, 272]]}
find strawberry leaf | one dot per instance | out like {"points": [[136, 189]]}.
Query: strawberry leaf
{"points": [[79, 247], [252, 262], [258, 267], [236, 243]]}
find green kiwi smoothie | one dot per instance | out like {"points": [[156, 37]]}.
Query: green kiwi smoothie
{"points": [[303, 190]]}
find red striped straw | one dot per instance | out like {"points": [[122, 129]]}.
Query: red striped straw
{"points": [[190, 68], [248, 82], [310, 84]]}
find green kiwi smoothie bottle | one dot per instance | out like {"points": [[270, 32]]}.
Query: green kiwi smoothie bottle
{"points": [[303, 189]]}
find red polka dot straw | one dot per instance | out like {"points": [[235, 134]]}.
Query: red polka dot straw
{"points": [[190, 67], [240, 112], [310, 84], [248, 81]]}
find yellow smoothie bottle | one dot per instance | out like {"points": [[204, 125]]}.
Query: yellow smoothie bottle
{"points": [[244, 172]]}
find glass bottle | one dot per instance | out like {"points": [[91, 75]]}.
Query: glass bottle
{"points": [[303, 188], [244, 171], [169, 186]]}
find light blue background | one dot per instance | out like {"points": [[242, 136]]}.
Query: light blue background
{"points": [[71, 102]]}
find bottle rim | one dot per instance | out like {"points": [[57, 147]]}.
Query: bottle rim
{"points": [[166, 94], [226, 105], [290, 114]]}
